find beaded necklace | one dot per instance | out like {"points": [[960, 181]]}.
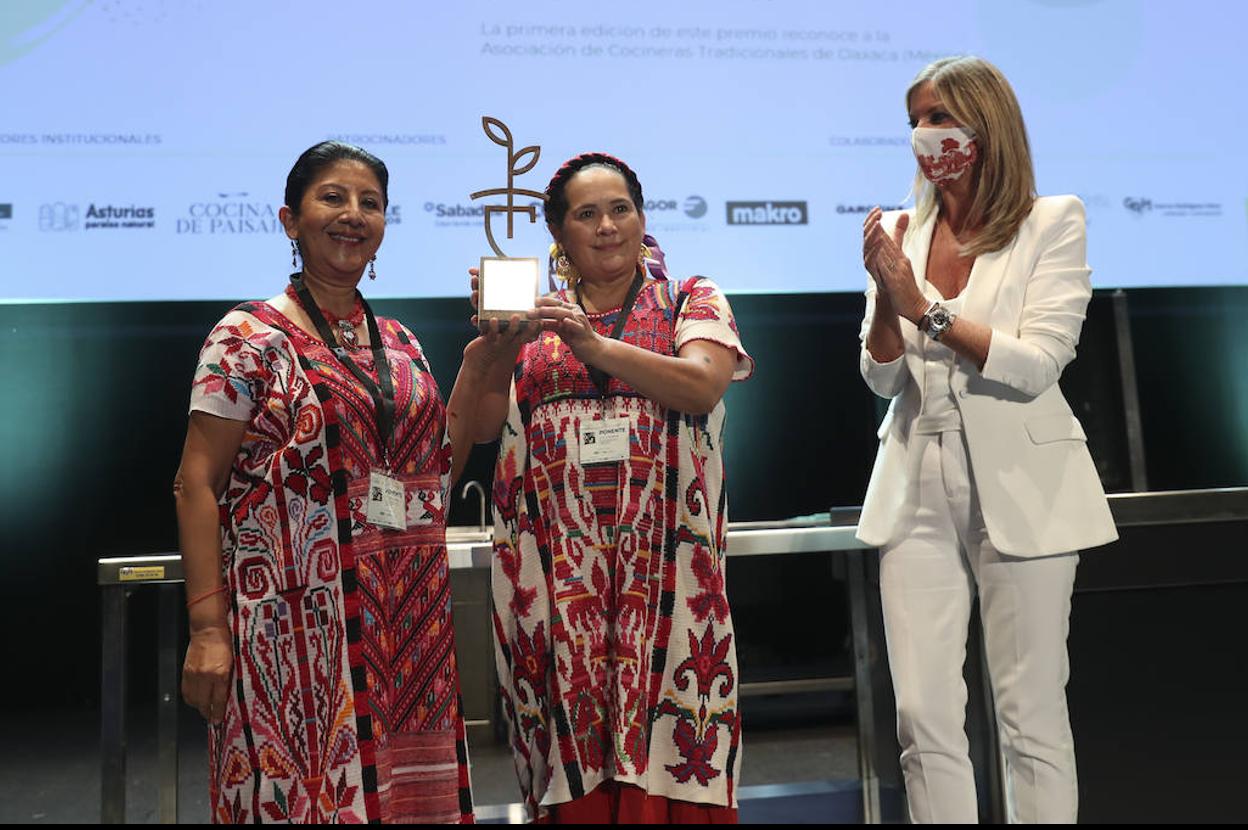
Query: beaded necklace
{"points": [[345, 326]]}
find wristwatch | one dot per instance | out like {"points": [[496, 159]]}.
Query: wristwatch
{"points": [[939, 319]]}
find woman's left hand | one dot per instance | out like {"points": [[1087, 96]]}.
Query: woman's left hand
{"points": [[890, 267], [568, 320]]}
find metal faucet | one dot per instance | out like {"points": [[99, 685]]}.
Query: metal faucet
{"points": [[463, 494]]}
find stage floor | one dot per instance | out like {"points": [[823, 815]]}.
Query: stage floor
{"points": [[50, 771]]}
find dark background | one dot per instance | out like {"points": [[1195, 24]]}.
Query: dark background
{"points": [[94, 414]]}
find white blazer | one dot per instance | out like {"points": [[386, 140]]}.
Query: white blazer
{"points": [[1037, 485]]}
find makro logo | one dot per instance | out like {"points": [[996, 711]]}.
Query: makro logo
{"points": [[230, 213], [767, 213]]}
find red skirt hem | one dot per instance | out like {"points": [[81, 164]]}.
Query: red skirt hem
{"points": [[614, 802]]}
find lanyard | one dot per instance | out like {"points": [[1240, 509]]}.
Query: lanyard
{"points": [[600, 378], [383, 397]]}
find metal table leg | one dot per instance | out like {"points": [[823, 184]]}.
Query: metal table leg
{"points": [[168, 639], [113, 705], [867, 749]]}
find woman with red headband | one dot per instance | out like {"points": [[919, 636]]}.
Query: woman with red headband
{"points": [[615, 646]]}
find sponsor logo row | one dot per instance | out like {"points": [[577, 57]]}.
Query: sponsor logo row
{"points": [[237, 213], [230, 213]]}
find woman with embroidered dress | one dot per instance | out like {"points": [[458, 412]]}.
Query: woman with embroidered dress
{"points": [[983, 485], [310, 504], [614, 642]]}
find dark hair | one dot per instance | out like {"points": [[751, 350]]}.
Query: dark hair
{"points": [[317, 157], [557, 191]]}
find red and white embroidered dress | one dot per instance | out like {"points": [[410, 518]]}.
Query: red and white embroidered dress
{"points": [[344, 700], [614, 643]]}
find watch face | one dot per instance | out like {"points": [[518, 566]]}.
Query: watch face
{"points": [[939, 322]]}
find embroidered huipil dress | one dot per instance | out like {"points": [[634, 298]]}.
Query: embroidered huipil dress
{"points": [[614, 643], [344, 699]]}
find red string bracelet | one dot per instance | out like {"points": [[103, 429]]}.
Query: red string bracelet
{"points": [[219, 589]]}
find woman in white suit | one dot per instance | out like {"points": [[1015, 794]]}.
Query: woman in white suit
{"points": [[983, 484]]}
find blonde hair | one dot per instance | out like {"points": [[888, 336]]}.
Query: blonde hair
{"points": [[1003, 179]]}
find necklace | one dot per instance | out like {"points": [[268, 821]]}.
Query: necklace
{"points": [[345, 326]]}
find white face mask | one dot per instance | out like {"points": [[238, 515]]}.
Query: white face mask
{"points": [[944, 154]]}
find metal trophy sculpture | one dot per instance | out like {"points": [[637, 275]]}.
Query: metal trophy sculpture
{"points": [[508, 285]]}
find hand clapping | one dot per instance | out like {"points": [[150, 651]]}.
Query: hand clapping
{"points": [[889, 266]]}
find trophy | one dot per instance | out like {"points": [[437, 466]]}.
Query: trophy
{"points": [[507, 285]]}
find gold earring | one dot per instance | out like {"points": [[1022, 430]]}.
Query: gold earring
{"points": [[643, 255], [564, 269]]}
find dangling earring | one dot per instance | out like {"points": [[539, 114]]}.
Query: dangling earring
{"points": [[294, 252], [372, 268], [564, 269], [643, 255]]}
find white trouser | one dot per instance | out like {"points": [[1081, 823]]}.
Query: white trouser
{"points": [[928, 579]]}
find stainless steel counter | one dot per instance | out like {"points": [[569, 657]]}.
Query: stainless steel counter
{"points": [[471, 548]]}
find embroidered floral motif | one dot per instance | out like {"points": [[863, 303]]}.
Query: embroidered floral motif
{"points": [[707, 660], [712, 599], [305, 476], [697, 731]]}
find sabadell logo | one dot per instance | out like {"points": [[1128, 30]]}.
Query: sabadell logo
{"points": [[450, 213]]}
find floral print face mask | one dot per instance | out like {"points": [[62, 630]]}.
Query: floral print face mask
{"points": [[944, 153]]}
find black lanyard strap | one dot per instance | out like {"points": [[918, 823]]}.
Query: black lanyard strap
{"points": [[383, 396], [600, 378]]}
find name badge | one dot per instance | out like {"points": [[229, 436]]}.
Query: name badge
{"points": [[604, 441], [386, 505]]}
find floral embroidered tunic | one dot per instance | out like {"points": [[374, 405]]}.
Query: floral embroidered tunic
{"points": [[614, 643], [344, 697]]}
